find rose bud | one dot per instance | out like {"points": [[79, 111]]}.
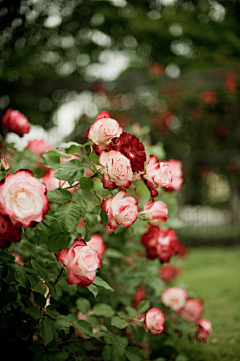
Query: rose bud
{"points": [[8, 232], [23, 199], [154, 321], [120, 210], [176, 170], [81, 262], [169, 272], [139, 296], [118, 170], [4, 165], [157, 174], [96, 242], [174, 298], [102, 131], [192, 311], [204, 329], [15, 122], [156, 212]]}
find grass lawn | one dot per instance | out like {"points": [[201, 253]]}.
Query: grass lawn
{"points": [[214, 274]]}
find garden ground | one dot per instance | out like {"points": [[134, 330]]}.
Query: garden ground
{"points": [[214, 274]]}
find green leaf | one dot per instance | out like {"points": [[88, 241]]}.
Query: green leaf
{"points": [[62, 324], [34, 312], [39, 299], [52, 289], [131, 311], [50, 161], [100, 282], [58, 154], [138, 331], [101, 309], [93, 289], [83, 305], [52, 325], [59, 195], [73, 148], [94, 158], [107, 353], [46, 332], [134, 354], [86, 183], [68, 215], [118, 322], [5, 257], [21, 276], [51, 311], [181, 358], [41, 271], [122, 315], [143, 306], [70, 171], [88, 233], [119, 343], [84, 326], [37, 285], [104, 217], [96, 210], [113, 253]]}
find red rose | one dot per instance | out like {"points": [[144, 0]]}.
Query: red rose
{"points": [[139, 296], [132, 148], [8, 232], [81, 262], [160, 243], [15, 122], [169, 272]]}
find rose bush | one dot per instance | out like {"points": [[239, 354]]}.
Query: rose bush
{"points": [[75, 280]]}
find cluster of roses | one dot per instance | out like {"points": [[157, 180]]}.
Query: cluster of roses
{"points": [[190, 309]]}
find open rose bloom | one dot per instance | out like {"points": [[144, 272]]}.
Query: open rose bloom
{"points": [[174, 298], [158, 174], [38, 146], [160, 243], [154, 321], [102, 131], [15, 122], [23, 199], [120, 209], [192, 310], [81, 261], [117, 170], [204, 329], [96, 243]]}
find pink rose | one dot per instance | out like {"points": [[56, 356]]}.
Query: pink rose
{"points": [[96, 242], [169, 272], [157, 174], [81, 262], [174, 298], [204, 329], [157, 212], [103, 130], [154, 321], [15, 122], [120, 210], [38, 146], [192, 311], [8, 232], [139, 296], [118, 170], [160, 243], [23, 199], [176, 170]]}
